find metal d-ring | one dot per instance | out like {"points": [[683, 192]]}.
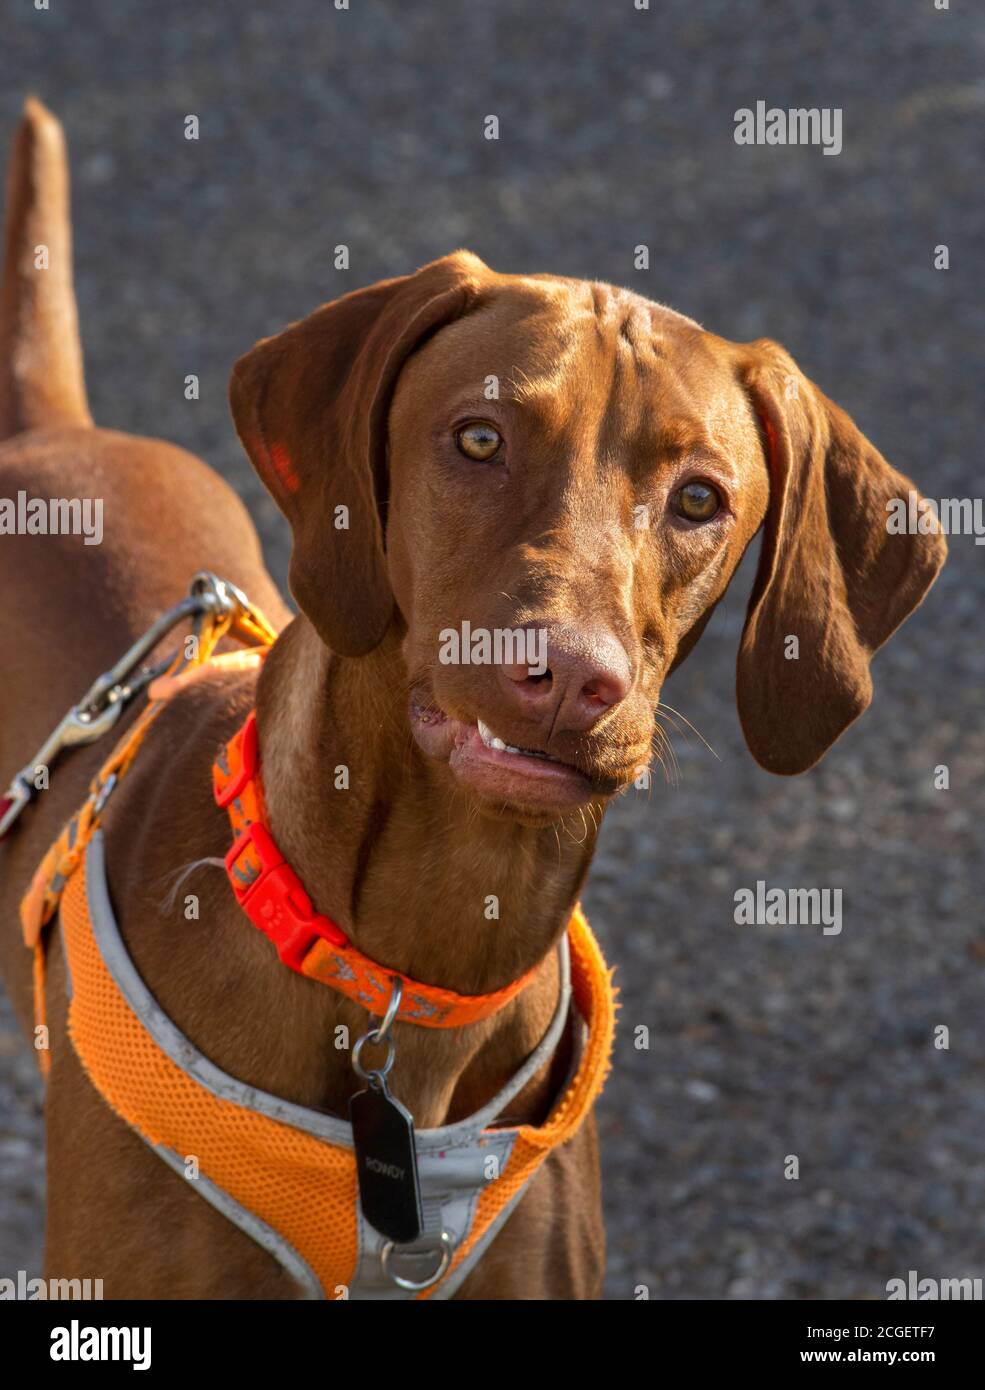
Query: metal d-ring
{"points": [[443, 1248], [393, 1008], [378, 1036]]}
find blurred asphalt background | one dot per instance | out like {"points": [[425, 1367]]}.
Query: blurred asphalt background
{"points": [[365, 127]]}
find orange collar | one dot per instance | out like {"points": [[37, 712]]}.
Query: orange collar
{"points": [[273, 897]]}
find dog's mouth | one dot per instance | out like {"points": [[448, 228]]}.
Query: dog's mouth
{"points": [[498, 771]]}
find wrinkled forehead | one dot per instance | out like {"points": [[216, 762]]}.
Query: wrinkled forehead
{"points": [[581, 356]]}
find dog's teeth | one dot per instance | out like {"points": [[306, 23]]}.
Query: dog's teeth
{"points": [[491, 741]]}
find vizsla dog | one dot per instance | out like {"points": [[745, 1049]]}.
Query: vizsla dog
{"points": [[520, 453]]}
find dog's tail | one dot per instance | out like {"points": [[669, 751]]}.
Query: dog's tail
{"points": [[41, 377]]}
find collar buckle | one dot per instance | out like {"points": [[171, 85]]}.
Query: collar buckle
{"points": [[273, 897]]}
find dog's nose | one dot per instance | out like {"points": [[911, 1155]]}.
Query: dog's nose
{"points": [[579, 674]]}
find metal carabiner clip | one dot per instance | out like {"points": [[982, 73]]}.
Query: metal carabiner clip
{"points": [[105, 700]]}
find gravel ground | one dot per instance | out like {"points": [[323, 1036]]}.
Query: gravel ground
{"points": [[365, 127]]}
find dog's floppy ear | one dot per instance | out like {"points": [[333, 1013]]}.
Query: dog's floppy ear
{"points": [[311, 406], [832, 572]]}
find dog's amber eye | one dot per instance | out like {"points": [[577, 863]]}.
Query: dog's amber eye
{"points": [[478, 441], [696, 502]]}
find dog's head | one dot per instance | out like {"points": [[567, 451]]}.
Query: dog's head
{"points": [[548, 485]]}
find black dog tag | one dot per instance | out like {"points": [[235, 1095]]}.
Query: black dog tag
{"points": [[386, 1161]]}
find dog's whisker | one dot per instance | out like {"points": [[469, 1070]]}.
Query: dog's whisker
{"points": [[664, 749], [671, 710]]}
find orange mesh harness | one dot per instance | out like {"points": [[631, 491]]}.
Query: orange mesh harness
{"points": [[284, 1174]]}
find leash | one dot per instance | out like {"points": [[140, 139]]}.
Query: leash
{"points": [[213, 604]]}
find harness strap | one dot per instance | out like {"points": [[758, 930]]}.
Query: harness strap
{"points": [[63, 857], [40, 902], [273, 897]]}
